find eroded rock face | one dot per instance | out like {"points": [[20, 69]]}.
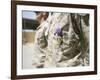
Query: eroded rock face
{"points": [[61, 41]]}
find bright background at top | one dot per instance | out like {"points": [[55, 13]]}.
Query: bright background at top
{"points": [[29, 14]]}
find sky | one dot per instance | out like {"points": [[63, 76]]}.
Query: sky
{"points": [[29, 14]]}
